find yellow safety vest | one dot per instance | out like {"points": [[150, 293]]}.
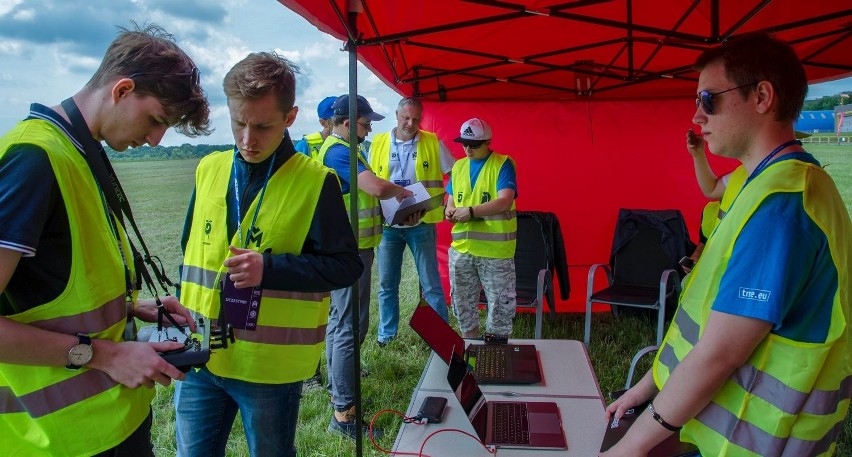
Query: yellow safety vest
{"points": [[709, 218], [791, 397], [314, 141], [287, 343], [427, 167], [369, 211], [736, 180], [53, 411], [493, 236]]}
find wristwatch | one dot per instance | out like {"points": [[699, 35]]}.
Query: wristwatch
{"points": [[81, 353]]}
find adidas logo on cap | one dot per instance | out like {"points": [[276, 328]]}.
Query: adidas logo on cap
{"points": [[468, 132]]}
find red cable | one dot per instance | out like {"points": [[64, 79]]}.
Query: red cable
{"points": [[415, 421]]}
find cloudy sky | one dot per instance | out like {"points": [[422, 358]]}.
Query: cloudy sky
{"points": [[50, 48]]}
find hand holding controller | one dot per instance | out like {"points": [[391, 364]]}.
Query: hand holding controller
{"points": [[194, 353]]}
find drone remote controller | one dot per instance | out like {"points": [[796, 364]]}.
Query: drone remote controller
{"points": [[196, 346]]}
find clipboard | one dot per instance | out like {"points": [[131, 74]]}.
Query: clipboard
{"points": [[396, 212]]}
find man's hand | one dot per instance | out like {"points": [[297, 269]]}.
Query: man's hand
{"points": [[449, 212], [694, 143], [146, 310], [636, 395], [135, 364], [404, 194], [414, 218], [462, 214], [245, 267]]}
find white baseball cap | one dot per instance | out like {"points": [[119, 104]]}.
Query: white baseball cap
{"points": [[474, 130]]}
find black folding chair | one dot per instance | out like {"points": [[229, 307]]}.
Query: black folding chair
{"points": [[534, 267], [642, 270]]}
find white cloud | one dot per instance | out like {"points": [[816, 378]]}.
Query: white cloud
{"points": [[27, 15], [8, 5], [10, 47]]}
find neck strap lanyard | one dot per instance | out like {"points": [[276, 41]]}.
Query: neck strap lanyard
{"points": [[244, 245], [760, 167], [765, 162], [117, 204], [402, 167]]}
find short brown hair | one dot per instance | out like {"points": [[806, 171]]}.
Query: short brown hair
{"points": [[261, 73], [757, 56], [157, 65]]}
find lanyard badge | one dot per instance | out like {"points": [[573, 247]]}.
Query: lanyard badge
{"points": [[242, 306]]}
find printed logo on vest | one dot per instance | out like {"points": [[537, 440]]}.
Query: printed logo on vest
{"points": [[747, 293], [256, 237], [425, 164], [486, 197], [459, 197]]}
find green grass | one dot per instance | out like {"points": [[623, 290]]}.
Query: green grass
{"points": [[159, 192]]}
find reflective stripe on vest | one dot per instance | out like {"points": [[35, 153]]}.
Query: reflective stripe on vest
{"points": [[369, 212], [314, 141], [790, 398], [290, 324], [427, 167], [493, 236], [52, 410]]}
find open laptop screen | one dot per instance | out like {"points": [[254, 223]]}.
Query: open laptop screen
{"points": [[437, 333], [469, 395]]}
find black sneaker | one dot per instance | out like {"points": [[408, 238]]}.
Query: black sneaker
{"points": [[347, 429]]}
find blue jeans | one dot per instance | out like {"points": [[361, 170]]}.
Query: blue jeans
{"points": [[421, 239], [340, 339], [206, 406]]}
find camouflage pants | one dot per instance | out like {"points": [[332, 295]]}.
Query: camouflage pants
{"points": [[497, 277]]}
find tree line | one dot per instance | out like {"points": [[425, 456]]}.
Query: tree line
{"points": [[197, 151], [826, 103], [184, 151]]}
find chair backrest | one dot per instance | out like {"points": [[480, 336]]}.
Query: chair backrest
{"points": [[645, 243], [532, 254]]}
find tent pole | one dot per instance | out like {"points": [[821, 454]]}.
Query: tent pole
{"points": [[354, 7]]}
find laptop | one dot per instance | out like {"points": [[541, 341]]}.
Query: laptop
{"points": [[506, 424], [670, 447], [491, 363]]}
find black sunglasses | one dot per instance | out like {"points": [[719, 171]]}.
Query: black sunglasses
{"points": [[473, 144], [704, 99], [194, 75]]}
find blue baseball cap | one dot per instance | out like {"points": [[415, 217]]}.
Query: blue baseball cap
{"points": [[324, 110], [341, 108]]}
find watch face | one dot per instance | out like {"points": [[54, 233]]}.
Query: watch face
{"points": [[80, 354]]}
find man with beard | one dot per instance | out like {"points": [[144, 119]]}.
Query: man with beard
{"points": [[406, 155]]}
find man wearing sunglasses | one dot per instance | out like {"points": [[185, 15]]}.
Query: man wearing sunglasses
{"points": [[481, 206], [70, 383], [406, 155], [756, 361], [340, 336]]}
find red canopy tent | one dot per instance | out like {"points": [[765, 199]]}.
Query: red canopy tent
{"points": [[592, 98]]}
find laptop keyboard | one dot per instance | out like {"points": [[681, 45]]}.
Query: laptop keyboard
{"points": [[490, 362], [510, 423]]}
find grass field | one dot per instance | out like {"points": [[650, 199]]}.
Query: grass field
{"points": [[159, 192]]}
